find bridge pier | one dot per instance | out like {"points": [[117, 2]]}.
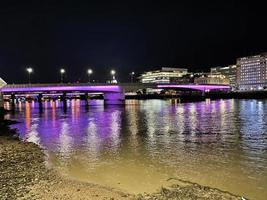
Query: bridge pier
{"points": [[114, 98], [13, 99], [63, 98], [1, 102], [86, 99], [203, 93], [39, 99]]}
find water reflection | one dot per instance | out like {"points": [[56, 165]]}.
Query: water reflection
{"points": [[137, 147]]}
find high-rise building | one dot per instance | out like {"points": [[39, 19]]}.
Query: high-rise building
{"points": [[252, 72], [229, 72], [164, 75]]}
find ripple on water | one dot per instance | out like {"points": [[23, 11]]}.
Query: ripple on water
{"points": [[139, 146]]}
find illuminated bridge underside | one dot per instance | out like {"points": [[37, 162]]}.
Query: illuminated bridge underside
{"points": [[33, 88], [104, 88], [113, 94]]}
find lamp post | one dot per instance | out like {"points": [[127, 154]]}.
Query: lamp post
{"points": [[89, 72], [112, 72], [192, 78], [132, 76], [62, 72], [29, 70]]}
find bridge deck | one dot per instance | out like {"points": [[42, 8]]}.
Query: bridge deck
{"points": [[104, 87]]}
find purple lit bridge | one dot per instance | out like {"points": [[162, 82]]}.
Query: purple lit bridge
{"points": [[112, 93]]}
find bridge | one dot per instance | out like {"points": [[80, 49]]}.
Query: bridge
{"points": [[112, 93]]}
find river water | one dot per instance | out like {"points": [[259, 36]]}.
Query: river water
{"points": [[139, 146]]}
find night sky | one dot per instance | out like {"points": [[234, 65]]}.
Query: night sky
{"points": [[126, 36]]}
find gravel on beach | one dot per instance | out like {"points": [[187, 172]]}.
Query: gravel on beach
{"points": [[23, 175]]}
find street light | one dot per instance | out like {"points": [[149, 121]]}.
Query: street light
{"points": [[89, 72], [62, 72], [132, 76], [29, 70], [113, 72], [192, 78]]}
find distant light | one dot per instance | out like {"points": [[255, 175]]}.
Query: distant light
{"points": [[113, 72], [29, 70], [89, 71], [132, 73], [62, 71], [114, 81]]}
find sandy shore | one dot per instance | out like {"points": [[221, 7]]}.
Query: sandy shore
{"points": [[24, 175]]}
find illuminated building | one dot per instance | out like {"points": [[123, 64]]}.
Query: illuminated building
{"points": [[165, 75], [2, 83], [252, 72], [229, 72], [215, 79]]}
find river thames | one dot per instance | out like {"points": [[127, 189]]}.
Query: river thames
{"points": [[139, 146]]}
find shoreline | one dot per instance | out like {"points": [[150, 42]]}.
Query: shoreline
{"points": [[24, 175]]}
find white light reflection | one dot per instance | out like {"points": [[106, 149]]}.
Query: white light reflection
{"points": [[222, 113], [252, 127], [57, 103], [180, 119], [33, 135], [93, 141], [65, 140], [33, 104], [193, 118], [115, 128], [132, 113]]}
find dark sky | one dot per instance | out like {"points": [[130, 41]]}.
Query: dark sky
{"points": [[127, 36]]}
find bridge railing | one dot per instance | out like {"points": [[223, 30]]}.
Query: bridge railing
{"points": [[53, 85]]}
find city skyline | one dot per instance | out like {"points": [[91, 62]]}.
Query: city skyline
{"points": [[231, 72]]}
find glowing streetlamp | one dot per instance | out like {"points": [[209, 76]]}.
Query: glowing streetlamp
{"points": [[192, 78], [132, 76], [89, 72], [62, 72], [29, 70], [113, 72]]}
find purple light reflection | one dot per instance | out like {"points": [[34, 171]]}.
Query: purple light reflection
{"points": [[212, 134]]}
